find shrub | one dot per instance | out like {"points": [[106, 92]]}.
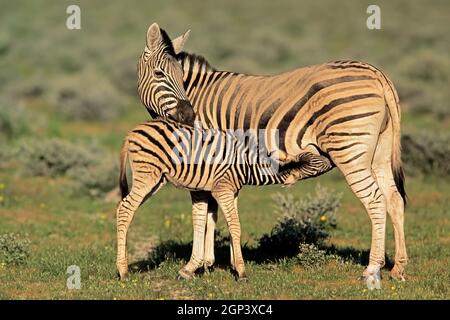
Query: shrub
{"points": [[123, 76], [52, 157], [97, 179], [14, 248], [303, 221], [93, 172], [13, 121], [424, 78], [86, 97], [426, 154], [311, 256]]}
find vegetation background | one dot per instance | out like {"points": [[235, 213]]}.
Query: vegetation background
{"points": [[68, 97]]}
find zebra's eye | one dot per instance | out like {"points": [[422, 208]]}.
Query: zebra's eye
{"points": [[159, 74]]}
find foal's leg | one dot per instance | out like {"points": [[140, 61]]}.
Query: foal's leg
{"points": [[225, 192], [145, 183]]}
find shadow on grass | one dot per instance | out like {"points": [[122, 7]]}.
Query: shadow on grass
{"points": [[177, 250], [356, 256]]}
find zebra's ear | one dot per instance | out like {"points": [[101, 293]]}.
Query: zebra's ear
{"points": [[178, 43], [153, 36]]}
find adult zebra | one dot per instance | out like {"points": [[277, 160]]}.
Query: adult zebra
{"points": [[345, 111]]}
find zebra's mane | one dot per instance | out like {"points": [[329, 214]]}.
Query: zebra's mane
{"points": [[168, 46], [194, 58]]}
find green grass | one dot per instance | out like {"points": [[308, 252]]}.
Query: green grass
{"points": [[72, 230], [66, 227]]}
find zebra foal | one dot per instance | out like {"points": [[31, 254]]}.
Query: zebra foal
{"points": [[219, 162]]}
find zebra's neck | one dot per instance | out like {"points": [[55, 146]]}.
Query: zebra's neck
{"points": [[193, 63], [198, 74], [265, 174], [259, 176]]}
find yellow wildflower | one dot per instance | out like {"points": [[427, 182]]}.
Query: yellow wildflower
{"points": [[323, 218]]}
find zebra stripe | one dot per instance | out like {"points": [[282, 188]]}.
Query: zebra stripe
{"points": [[156, 154], [315, 109], [160, 78]]}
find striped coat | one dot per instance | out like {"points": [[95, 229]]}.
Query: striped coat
{"points": [[201, 160], [344, 112]]}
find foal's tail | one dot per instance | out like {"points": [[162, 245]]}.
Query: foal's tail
{"points": [[123, 184]]}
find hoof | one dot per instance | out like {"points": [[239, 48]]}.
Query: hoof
{"points": [[398, 273], [373, 282], [372, 277], [183, 274], [207, 269], [122, 269], [122, 272], [242, 278], [123, 276]]}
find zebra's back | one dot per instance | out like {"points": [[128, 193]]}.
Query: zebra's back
{"points": [[195, 159], [296, 105]]}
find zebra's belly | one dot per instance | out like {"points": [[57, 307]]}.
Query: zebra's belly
{"points": [[195, 183]]}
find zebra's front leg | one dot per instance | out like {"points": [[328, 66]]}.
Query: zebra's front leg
{"points": [[209, 257], [199, 216]]}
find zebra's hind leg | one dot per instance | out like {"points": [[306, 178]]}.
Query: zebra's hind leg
{"points": [[364, 185], [356, 167], [144, 185], [395, 206], [226, 195]]}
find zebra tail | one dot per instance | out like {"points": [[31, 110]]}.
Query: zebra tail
{"points": [[392, 102], [123, 184]]}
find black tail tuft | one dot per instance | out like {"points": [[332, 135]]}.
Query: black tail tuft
{"points": [[399, 178], [123, 184]]}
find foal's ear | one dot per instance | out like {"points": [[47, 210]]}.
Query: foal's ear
{"points": [[178, 43], [153, 36]]}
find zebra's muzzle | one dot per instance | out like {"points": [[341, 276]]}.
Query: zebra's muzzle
{"points": [[184, 113]]}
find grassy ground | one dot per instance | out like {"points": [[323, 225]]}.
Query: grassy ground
{"points": [[67, 230], [39, 58]]}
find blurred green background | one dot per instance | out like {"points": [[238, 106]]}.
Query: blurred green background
{"points": [[68, 97], [40, 55]]}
